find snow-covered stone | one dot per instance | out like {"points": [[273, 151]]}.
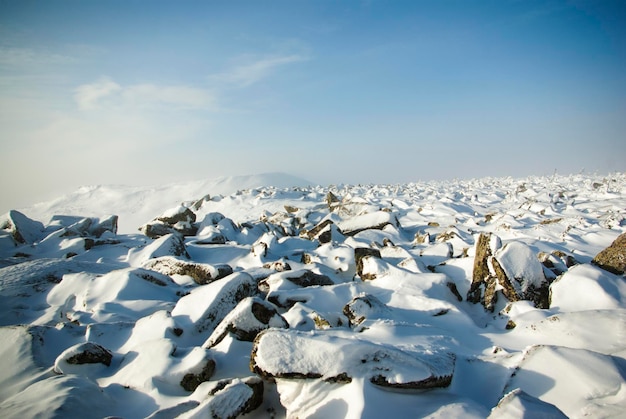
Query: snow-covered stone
{"points": [[518, 404], [70, 360], [206, 306], [202, 273], [251, 316], [22, 229], [292, 354], [168, 245]]}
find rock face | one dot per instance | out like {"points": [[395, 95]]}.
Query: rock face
{"points": [[201, 273], [251, 316], [613, 258], [483, 287], [296, 355], [82, 353]]}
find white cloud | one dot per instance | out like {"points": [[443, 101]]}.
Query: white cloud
{"points": [[88, 96], [250, 73], [105, 92]]}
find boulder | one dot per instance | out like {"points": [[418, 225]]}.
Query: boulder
{"points": [[362, 307], [206, 306], [483, 287], [286, 353], [519, 404], [251, 316], [360, 253], [168, 245], [82, 353], [293, 279], [178, 219], [324, 232], [613, 258], [201, 273], [520, 274], [99, 227], [374, 220], [22, 229], [229, 399]]}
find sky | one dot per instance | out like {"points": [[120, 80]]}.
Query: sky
{"points": [[153, 92]]}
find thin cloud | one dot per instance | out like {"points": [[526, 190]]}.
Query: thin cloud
{"points": [[105, 92], [248, 74], [89, 96], [26, 57]]}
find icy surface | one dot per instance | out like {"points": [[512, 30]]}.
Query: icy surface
{"points": [[89, 330]]}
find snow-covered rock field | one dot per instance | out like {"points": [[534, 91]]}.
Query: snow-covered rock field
{"points": [[496, 297]]}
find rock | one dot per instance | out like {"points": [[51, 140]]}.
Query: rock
{"points": [[519, 404], [280, 353], [168, 245], [483, 287], [278, 266], [359, 254], [22, 229], [374, 220], [251, 316], [206, 306], [613, 258], [175, 220], [82, 353], [299, 278], [520, 274], [201, 273], [156, 229], [324, 232], [229, 399], [108, 224], [362, 307], [192, 380]]}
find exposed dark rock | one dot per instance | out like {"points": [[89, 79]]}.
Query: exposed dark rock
{"points": [[176, 220], [324, 232], [278, 266], [613, 258], [156, 229], [455, 291], [192, 380], [306, 278]]}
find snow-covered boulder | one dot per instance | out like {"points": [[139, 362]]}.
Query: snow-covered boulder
{"points": [[201, 273], [518, 404], [374, 220], [206, 306], [363, 307], [71, 360], [251, 316], [280, 353], [22, 229], [613, 258], [587, 287], [229, 399], [520, 274], [362, 253], [168, 245], [579, 382], [291, 279], [179, 219]]}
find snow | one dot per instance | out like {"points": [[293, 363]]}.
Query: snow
{"points": [[75, 282]]}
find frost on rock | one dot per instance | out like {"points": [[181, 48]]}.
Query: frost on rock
{"points": [[251, 316], [294, 354]]}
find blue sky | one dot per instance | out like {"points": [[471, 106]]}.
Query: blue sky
{"points": [[147, 92]]}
